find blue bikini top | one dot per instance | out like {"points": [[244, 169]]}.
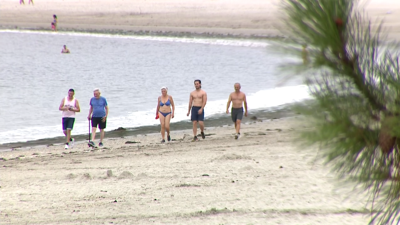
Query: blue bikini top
{"points": [[168, 103]]}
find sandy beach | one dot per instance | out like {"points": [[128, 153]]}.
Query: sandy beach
{"points": [[262, 178], [254, 18]]}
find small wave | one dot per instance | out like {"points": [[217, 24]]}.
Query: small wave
{"points": [[208, 41], [269, 98]]}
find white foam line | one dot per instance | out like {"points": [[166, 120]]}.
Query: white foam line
{"points": [[208, 41]]}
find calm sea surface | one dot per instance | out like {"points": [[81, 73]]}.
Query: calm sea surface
{"points": [[35, 77]]}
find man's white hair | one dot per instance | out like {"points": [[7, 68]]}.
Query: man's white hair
{"points": [[97, 89]]}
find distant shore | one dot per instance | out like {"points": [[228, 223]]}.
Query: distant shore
{"points": [[208, 18]]}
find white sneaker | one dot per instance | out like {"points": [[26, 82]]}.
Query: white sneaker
{"points": [[237, 136], [66, 146], [72, 142]]}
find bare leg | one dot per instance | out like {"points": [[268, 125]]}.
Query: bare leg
{"points": [[94, 133], [65, 134], [195, 128], [237, 126], [167, 122], [68, 135], [101, 135], [162, 123], [201, 123]]}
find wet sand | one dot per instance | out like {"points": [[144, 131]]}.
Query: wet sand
{"points": [[216, 121]]}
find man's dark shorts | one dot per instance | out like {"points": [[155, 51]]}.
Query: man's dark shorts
{"points": [[237, 114], [68, 123], [98, 121], [195, 114]]}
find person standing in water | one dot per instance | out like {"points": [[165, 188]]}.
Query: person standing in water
{"points": [[65, 50], [55, 22], [69, 106], [98, 113], [165, 113], [238, 99], [197, 102]]}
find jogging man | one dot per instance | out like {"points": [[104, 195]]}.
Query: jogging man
{"points": [[237, 98], [69, 106], [197, 102], [98, 113]]}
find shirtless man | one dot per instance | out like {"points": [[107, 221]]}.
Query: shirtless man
{"points": [[65, 50], [237, 98], [197, 102]]}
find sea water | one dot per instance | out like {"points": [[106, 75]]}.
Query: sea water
{"points": [[129, 70]]}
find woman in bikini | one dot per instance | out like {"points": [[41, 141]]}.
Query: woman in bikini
{"points": [[164, 112]]}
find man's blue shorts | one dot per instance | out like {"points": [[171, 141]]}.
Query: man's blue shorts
{"points": [[195, 114], [68, 123]]}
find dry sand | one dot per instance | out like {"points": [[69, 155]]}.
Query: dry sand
{"points": [[260, 18], [262, 178]]}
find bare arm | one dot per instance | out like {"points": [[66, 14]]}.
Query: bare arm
{"points": [[229, 103], [77, 107], [90, 113], [245, 105], [61, 107], [106, 107], [190, 103], [173, 106], [158, 105], [204, 100]]}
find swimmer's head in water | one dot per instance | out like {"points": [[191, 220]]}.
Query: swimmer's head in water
{"points": [[197, 83]]}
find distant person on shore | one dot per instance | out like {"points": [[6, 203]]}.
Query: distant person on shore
{"points": [[69, 106], [21, 2], [98, 113], [65, 50], [237, 98], [53, 27], [165, 113], [197, 102], [55, 22]]}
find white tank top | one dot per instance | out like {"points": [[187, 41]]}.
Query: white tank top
{"points": [[68, 103]]}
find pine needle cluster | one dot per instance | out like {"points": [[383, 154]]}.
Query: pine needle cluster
{"points": [[354, 77]]}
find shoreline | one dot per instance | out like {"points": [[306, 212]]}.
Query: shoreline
{"points": [[221, 120], [158, 33]]}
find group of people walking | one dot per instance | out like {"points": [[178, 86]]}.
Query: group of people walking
{"points": [[165, 111]]}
